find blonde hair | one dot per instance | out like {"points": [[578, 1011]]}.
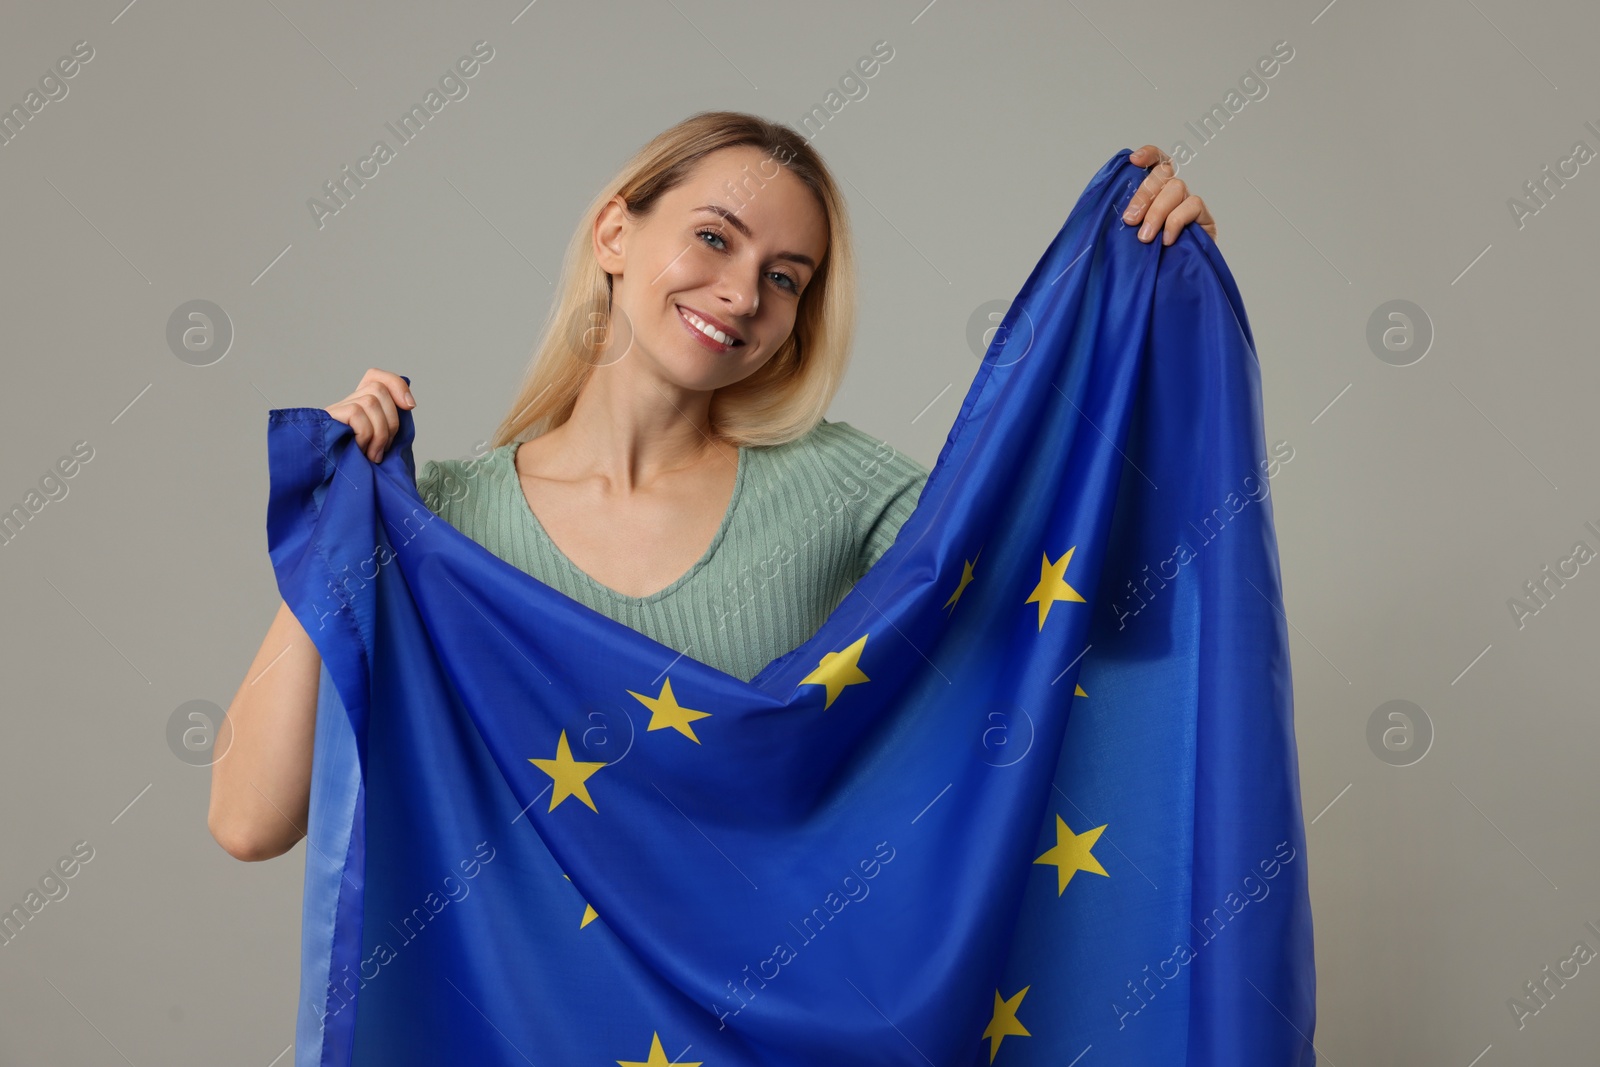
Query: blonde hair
{"points": [[790, 394]]}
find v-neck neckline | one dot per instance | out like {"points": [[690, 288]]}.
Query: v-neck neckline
{"points": [[590, 581]]}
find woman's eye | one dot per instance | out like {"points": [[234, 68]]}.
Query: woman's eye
{"points": [[783, 279]]}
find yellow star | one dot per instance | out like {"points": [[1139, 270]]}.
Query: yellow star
{"points": [[658, 1057], [1053, 585], [1078, 692], [837, 670], [589, 914], [966, 579], [1004, 1023], [1071, 854], [665, 711], [568, 774]]}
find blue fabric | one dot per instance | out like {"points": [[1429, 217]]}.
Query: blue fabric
{"points": [[1030, 791]]}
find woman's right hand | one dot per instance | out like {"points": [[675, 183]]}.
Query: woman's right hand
{"points": [[372, 411]]}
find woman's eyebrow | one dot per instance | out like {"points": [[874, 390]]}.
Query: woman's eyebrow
{"points": [[734, 221]]}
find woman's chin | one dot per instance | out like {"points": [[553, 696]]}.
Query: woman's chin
{"points": [[692, 366]]}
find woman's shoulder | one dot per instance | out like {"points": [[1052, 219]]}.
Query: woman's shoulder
{"points": [[842, 445], [446, 484], [847, 468]]}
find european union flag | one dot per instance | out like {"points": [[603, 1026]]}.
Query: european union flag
{"points": [[1029, 796]]}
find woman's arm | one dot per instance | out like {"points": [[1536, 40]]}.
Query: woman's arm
{"points": [[261, 784]]}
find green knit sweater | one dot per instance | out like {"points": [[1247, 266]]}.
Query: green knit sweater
{"points": [[806, 521]]}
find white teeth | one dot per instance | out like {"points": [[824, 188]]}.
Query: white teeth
{"points": [[706, 328]]}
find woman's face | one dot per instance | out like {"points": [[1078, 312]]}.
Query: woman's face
{"points": [[733, 247]]}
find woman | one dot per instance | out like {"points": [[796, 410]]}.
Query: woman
{"points": [[666, 461]]}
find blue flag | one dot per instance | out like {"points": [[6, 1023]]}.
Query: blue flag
{"points": [[1029, 795]]}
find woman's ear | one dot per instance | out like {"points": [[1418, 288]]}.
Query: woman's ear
{"points": [[610, 229]]}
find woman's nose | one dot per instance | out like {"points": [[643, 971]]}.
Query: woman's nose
{"points": [[739, 294]]}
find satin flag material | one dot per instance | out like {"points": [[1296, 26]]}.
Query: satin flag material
{"points": [[1029, 794]]}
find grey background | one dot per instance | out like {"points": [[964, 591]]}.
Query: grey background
{"points": [[1378, 167]]}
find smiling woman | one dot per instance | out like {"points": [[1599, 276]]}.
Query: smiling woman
{"points": [[668, 440]]}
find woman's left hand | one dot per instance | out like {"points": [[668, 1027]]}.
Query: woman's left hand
{"points": [[1163, 201]]}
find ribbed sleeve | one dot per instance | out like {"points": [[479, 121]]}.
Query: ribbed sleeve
{"points": [[891, 486]]}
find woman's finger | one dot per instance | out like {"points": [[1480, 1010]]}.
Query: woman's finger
{"points": [[1173, 193], [387, 412], [391, 383], [1146, 156], [353, 416], [1149, 189], [379, 408], [1191, 210], [1178, 218]]}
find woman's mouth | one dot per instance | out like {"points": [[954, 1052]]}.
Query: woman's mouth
{"points": [[707, 334]]}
